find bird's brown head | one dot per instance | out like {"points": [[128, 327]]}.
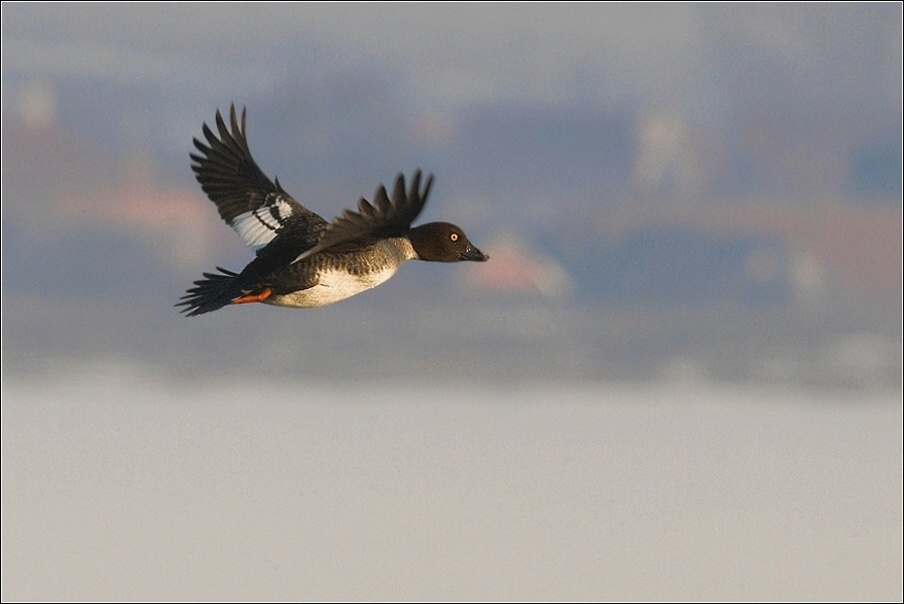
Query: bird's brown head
{"points": [[443, 242]]}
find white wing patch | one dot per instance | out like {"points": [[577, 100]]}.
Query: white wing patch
{"points": [[259, 227]]}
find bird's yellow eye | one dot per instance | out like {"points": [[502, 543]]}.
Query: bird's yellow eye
{"points": [[454, 236]]}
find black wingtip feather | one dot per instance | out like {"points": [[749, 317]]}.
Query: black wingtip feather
{"points": [[223, 165], [384, 217]]}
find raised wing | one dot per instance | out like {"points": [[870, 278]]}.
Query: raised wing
{"points": [[385, 217], [256, 208]]}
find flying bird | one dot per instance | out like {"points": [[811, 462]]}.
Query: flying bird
{"points": [[301, 260]]}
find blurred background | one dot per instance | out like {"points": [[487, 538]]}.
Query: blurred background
{"points": [[693, 212], [714, 190]]}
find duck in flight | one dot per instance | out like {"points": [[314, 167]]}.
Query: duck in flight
{"points": [[301, 260]]}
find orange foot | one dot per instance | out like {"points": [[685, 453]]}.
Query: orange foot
{"points": [[254, 297]]}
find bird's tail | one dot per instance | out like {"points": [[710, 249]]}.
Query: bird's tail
{"points": [[211, 293]]}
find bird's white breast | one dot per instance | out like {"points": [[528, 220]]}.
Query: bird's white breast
{"points": [[334, 285]]}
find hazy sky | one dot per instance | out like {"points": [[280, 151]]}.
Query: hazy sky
{"points": [[250, 489], [443, 491], [450, 54], [513, 105]]}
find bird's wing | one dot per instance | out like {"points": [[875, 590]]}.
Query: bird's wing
{"points": [[387, 216], [256, 208]]}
